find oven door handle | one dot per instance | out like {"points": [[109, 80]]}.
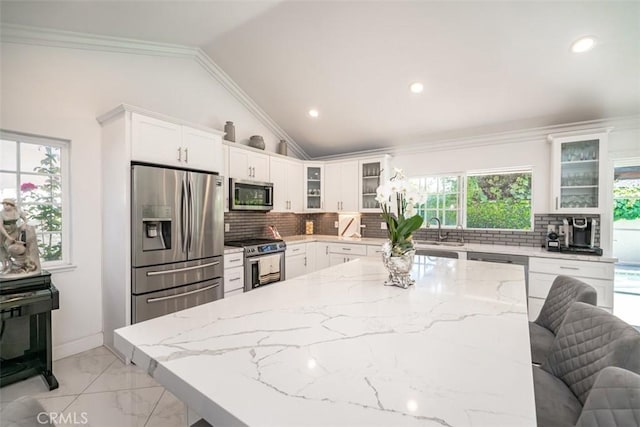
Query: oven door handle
{"points": [[179, 270], [149, 300]]}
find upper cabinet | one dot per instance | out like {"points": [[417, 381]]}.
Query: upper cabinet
{"points": [[246, 164], [313, 187], [287, 179], [225, 175], [578, 172], [157, 141], [341, 181], [372, 173]]}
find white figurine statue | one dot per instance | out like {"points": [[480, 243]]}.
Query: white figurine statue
{"points": [[18, 243]]}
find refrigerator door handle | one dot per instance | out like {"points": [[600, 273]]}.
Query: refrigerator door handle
{"points": [[191, 211], [183, 294], [183, 215], [180, 270]]}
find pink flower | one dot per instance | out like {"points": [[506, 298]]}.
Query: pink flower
{"points": [[28, 186]]}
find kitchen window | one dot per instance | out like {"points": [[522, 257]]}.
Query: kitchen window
{"points": [[34, 172], [443, 198], [499, 200]]}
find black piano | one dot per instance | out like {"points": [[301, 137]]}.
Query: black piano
{"points": [[25, 328]]}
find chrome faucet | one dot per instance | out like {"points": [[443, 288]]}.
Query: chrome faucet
{"points": [[459, 227], [441, 238]]}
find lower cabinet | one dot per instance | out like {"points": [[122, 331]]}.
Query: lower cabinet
{"points": [[296, 263], [340, 253], [543, 271], [233, 274], [374, 251], [321, 250]]}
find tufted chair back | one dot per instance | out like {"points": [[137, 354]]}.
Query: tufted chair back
{"points": [[564, 291], [589, 340]]}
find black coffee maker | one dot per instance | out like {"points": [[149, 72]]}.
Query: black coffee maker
{"points": [[580, 232]]}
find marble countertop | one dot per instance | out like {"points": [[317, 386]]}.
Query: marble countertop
{"points": [[337, 347], [467, 247]]}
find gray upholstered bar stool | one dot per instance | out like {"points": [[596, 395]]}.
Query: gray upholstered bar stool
{"points": [[614, 400], [564, 291], [589, 340]]}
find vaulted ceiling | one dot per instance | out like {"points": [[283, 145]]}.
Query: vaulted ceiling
{"points": [[486, 66]]}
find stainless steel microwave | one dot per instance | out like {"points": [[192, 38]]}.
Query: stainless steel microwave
{"points": [[250, 195]]}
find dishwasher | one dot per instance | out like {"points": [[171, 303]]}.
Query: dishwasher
{"points": [[504, 259]]}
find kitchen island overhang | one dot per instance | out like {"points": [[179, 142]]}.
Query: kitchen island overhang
{"points": [[336, 347]]}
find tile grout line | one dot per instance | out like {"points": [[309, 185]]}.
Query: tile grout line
{"points": [[154, 407], [89, 385]]}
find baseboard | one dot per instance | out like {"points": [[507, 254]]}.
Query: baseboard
{"points": [[77, 346]]}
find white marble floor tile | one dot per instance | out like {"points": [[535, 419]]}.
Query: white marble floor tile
{"points": [[30, 387], [56, 404], [169, 412], [77, 372], [125, 408], [119, 376], [74, 374]]}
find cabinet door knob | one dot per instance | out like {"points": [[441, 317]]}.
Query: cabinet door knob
{"points": [[179, 154], [186, 155]]}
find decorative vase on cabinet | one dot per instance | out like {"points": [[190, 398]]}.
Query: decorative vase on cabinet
{"points": [[578, 168]]}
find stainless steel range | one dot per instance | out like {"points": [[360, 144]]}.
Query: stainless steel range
{"points": [[263, 261]]}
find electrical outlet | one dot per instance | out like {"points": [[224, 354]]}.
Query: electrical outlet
{"points": [[551, 228], [227, 227], [383, 226], [335, 224]]}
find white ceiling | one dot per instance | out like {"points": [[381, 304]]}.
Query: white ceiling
{"points": [[486, 66]]}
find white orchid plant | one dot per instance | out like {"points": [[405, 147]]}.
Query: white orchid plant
{"points": [[398, 198]]}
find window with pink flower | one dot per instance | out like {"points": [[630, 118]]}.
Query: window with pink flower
{"points": [[33, 172]]}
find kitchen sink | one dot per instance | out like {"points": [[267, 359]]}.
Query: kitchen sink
{"points": [[434, 242], [437, 253]]}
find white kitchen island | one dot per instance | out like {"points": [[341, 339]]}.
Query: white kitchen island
{"points": [[337, 347]]}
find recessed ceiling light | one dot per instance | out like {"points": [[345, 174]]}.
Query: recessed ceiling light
{"points": [[583, 44], [313, 113], [416, 87]]}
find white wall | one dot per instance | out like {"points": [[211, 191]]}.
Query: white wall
{"points": [[59, 92], [535, 153]]}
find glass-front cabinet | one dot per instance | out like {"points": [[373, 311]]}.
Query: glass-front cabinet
{"points": [[373, 172], [578, 170], [313, 187]]}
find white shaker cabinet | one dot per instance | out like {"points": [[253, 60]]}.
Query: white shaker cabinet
{"points": [[246, 164], [225, 175], [233, 273], [372, 173], [322, 257], [340, 253], [543, 271], [161, 142], [578, 172], [287, 179], [296, 261], [313, 196], [341, 182]]}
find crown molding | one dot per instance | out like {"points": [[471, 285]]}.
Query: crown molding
{"points": [[20, 34], [609, 125]]}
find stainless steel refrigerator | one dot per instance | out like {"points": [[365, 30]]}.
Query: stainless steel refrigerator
{"points": [[177, 240]]}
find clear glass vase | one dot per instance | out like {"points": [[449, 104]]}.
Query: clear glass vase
{"points": [[399, 266]]}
